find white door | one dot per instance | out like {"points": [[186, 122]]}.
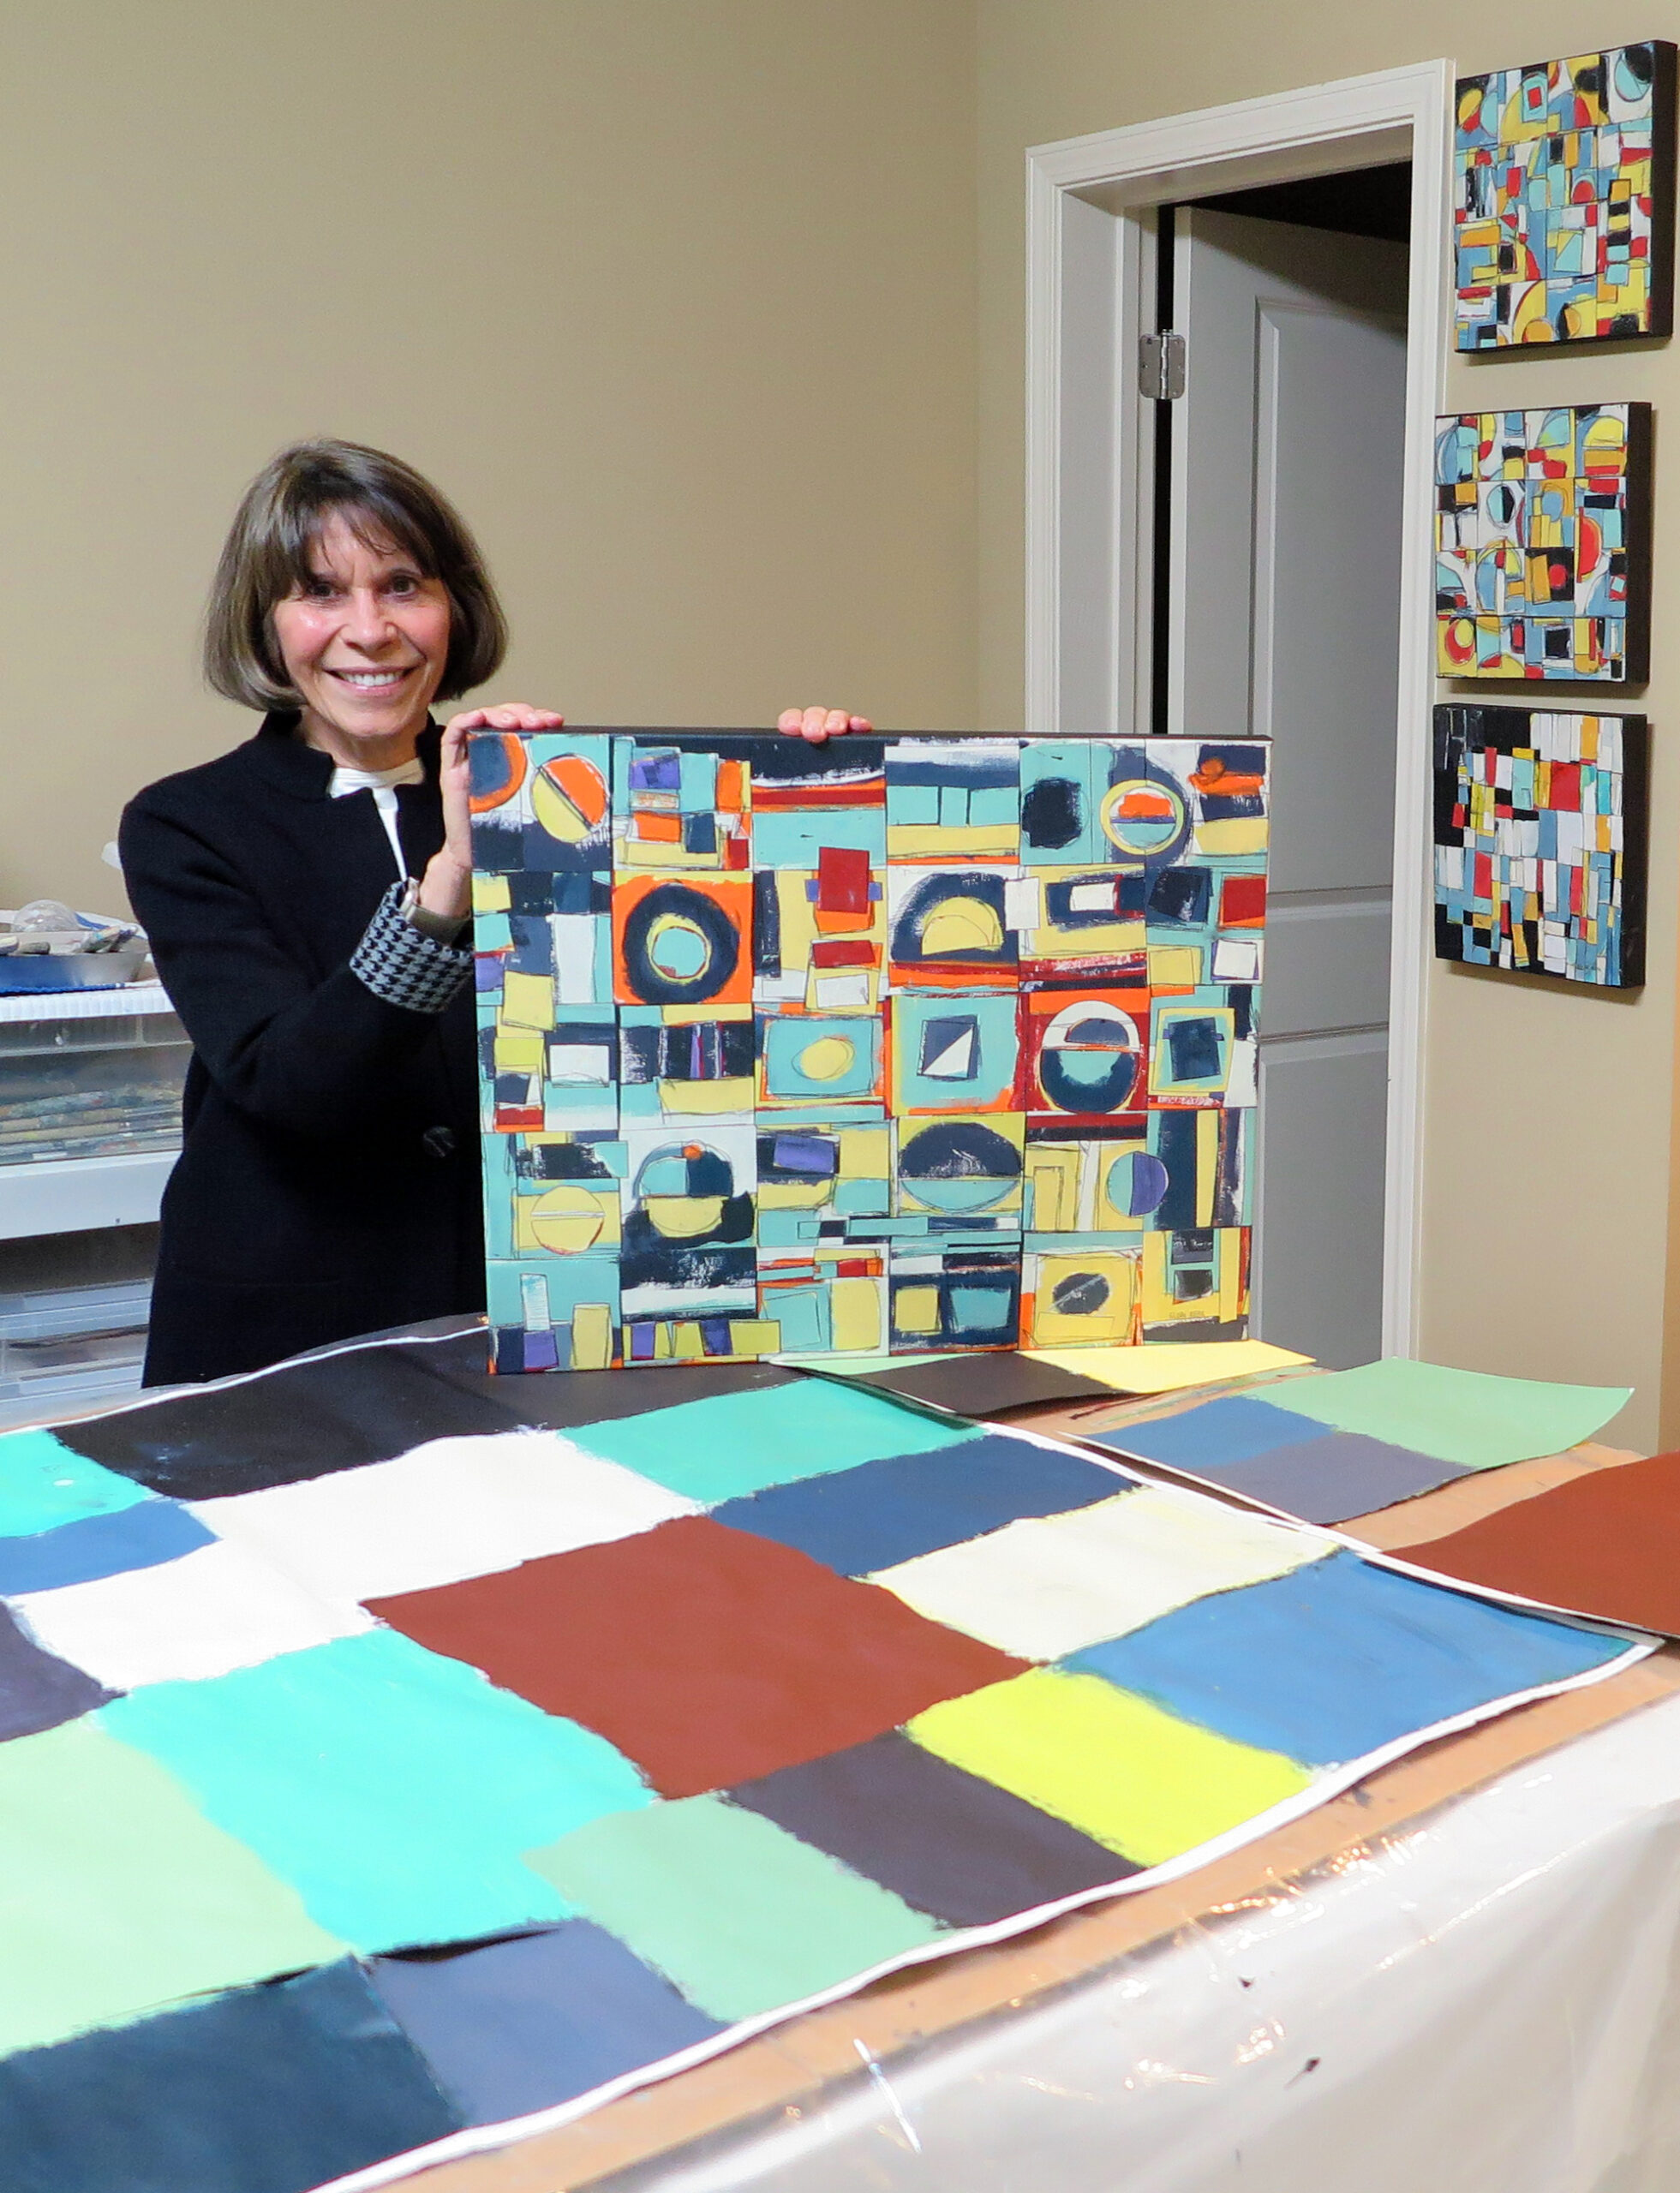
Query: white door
{"points": [[1284, 598]]}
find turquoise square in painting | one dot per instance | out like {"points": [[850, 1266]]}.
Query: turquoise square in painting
{"points": [[395, 1789], [736, 1443]]}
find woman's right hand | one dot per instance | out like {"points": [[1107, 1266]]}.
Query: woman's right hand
{"points": [[446, 886]]}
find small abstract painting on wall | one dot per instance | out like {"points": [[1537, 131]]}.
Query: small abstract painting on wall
{"points": [[887, 1046], [1563, 199], [1542, 539], [1541, 830]]}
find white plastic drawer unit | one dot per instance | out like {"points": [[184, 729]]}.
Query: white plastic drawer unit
{"points": [[90, 1107]]}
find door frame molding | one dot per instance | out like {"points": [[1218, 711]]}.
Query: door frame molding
{"points": [[1090, 260]]}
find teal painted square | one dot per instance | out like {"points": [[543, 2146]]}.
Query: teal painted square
{"points": [[996, 1046], [43, 1484], [991, 804], [698, 776], [953, 807], [394, 1789], [862, 1198], [568, 1280], [492, 933], [913, 805], [741, 1916], [791, 837], [736, 1443], [802, 1314], [786, 1038], [1069, 833]]}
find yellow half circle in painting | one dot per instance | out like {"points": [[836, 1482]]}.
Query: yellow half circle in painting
{"points": [[961, 925], [568, 798], [567, 1218]]}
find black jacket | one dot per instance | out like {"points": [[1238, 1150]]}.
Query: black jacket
{"points": [[329, 1181]]}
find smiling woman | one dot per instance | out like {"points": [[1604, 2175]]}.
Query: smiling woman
{"points": [[306, 898]]}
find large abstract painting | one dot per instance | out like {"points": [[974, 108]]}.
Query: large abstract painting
{"points": [[1563, 217], [374, 1772], [887, 1046], [1542, 537], [1541, 830]]}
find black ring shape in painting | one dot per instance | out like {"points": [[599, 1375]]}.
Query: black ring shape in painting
{"points": [[680, 902]]}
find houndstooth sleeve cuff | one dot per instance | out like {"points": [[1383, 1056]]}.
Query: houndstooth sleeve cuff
{"points": [[404, 967]]}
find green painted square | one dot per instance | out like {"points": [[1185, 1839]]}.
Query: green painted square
{"points": [[737, 1913], [117, 1896], [44, 1483], [736, 1443]]}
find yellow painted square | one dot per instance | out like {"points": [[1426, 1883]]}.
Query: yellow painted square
{"points": [[591, 1336], [1133, 1777], [1110, 1326], [1245, 835], [854, 1306], [1176, 967], [528, 1001], [518, 1052], [491, 894], [755, 1335], [915, 1309], [705, 1098], [865, 1153]]}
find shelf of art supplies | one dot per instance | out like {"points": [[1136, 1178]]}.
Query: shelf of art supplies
{"points": [[90, 1097]]}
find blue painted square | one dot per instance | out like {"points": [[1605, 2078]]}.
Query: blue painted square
{"points": [[143, 1536], [522, 2025], [884, 1512], [1228, 1430], [1339, 1659]]}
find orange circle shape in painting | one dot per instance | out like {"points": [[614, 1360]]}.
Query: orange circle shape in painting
{"points": [[569, 798], [513, 754]]}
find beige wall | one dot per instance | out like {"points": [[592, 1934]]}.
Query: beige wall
{"points": [[1550, 1114], [675, 297]]}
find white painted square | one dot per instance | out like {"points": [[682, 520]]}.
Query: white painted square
{"points": [[216, 1609], [452, 1509], [1237, 959], [1053, 1584], [586, 1062]]}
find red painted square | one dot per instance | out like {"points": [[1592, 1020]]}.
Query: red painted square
{"points": [[707, 1656], [842, 880], [1242, 902]]}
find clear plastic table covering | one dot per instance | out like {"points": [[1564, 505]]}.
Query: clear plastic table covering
{"points": [[1488, 1999]]}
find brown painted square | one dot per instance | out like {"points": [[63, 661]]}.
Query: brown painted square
{"points": [[707, 1656]]}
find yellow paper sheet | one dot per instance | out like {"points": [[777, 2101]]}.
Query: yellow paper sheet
{"points": [[1162, 1366]]}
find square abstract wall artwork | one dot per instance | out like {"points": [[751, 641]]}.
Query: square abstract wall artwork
{"points": [[1564, 204], [1540, 829], [889, 1045], [1542, 539]]}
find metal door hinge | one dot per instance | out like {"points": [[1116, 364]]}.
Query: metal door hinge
{"points": [[1161, 363]]}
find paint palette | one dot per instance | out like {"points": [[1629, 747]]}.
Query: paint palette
{"points": [[452, 1773], [885, 1046]]}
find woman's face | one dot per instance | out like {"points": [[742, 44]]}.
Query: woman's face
{"points": [[364, 643]]}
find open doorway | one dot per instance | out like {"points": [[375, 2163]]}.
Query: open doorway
{"points": [[1278, 500], [1251, 554]]}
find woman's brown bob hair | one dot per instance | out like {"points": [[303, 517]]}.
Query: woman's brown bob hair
{"points": [[266, 555]]}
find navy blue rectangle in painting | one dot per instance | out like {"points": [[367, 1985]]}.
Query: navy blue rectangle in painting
{"points": [[38, 1691], [304, 1420], [272, 2089], [884, 1512], [953, 1846], [521, 2025], [1340, 1658], [141, 1537], [1339, 1474]]}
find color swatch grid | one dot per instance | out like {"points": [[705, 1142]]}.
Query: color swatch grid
{"points": [[1542, 543], [884, 1046], [649, 1736], [1564, 207], [1541, 824]]}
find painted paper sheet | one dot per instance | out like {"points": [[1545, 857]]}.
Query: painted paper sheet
{"points": [[1541, 823], [612, 1747], [891, 1046], [1542, 543], [1563, 199]]}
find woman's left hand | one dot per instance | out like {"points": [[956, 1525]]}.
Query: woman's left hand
{"points": [[818, 724], [447, 886]]}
